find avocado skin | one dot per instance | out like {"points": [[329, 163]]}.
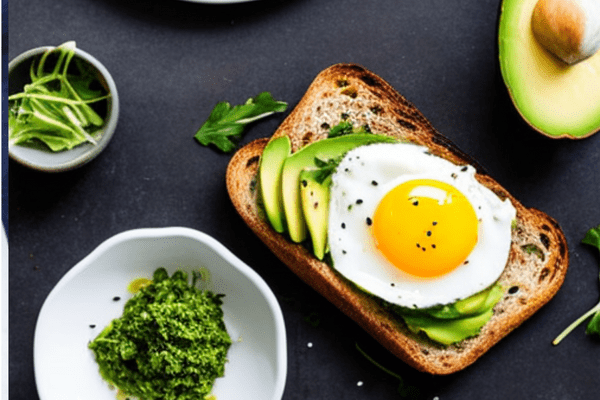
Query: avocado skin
{"points": [[271, 165], [305, 159], [315, 208]]}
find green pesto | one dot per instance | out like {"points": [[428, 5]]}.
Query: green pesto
{"points": [[170, 343]]}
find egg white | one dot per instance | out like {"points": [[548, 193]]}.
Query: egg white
{"points": [[364, 176]]}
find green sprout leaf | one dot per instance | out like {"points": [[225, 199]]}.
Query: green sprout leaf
{"points": [[592, 238], [346, 128], [326, 167], [56, 107], [405, 390], [226, 124]]}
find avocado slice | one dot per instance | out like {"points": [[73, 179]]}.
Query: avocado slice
{"points": [[314, 197], [271, 165], [554, 98], [305, 159]]}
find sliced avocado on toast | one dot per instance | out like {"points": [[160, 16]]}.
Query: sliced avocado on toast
{"points": [[529, 281], [305, 158], [314, 196], [271, 164]]}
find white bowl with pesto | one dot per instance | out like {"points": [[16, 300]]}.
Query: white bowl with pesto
{"points": [[95, 290], [39, 157]]}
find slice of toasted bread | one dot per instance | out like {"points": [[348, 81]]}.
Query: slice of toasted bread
{"points": [[537, 262]]}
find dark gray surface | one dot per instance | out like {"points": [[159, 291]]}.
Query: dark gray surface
{"points": [[173, 61]]}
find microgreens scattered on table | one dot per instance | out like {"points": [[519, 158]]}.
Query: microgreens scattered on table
{"points": [[55, 108], [226, 124], [592, 238]]}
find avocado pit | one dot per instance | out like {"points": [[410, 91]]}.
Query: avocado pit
{"points": [[569, 29]]}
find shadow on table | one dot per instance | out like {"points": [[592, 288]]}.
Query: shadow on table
{"points": [[191, 14]]}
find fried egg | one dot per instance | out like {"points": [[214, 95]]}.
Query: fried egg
{"points": [[415, 229]]}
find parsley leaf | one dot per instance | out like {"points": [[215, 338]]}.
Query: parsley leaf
{"points": [[226, 124], [592, 238]]}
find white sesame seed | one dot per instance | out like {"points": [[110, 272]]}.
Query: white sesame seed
{"points": [[309, 344], [359, 383]]}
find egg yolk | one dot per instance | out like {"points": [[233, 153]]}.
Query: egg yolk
{"points": [[426, 228]]}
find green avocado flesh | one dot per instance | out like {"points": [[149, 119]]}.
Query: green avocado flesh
{"points": [[315, 207], [556, 99], [305, 158], [271, 164], [170, 343], [454, 322]]}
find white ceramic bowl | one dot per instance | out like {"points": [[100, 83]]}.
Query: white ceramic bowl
{"points": [[65, 368], [46, 160]]}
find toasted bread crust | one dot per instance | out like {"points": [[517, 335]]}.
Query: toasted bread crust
{"points": [[539, 255]]}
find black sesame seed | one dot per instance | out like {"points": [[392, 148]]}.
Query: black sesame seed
{"points": [[346, 169], [359, 201], [392, 284], [466, 262], [428, 233], [416, 203], [92, 326], [434, 223], [433, 246], [343, 225], [374, 183], [369, 221], [463, 169], [453, 175], [304, 183], [343, 251], [116, 298], [423, 248], [418, 245]]}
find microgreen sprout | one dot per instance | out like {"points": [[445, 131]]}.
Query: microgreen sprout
{"points": [[592, 238], [404, 390], [55, 108]]}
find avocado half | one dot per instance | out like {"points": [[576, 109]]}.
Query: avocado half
{"points": [[556, 99]]}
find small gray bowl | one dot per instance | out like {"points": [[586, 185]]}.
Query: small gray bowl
{"points": [[43, 159]]}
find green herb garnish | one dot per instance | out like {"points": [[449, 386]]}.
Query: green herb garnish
{"points": [[226, 124], [169, 344], [326, 167], [346, 128], [343, 128], [55, 108], [592, 238]]}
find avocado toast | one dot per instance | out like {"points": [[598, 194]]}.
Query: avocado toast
{"points": [[538, 257]]}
